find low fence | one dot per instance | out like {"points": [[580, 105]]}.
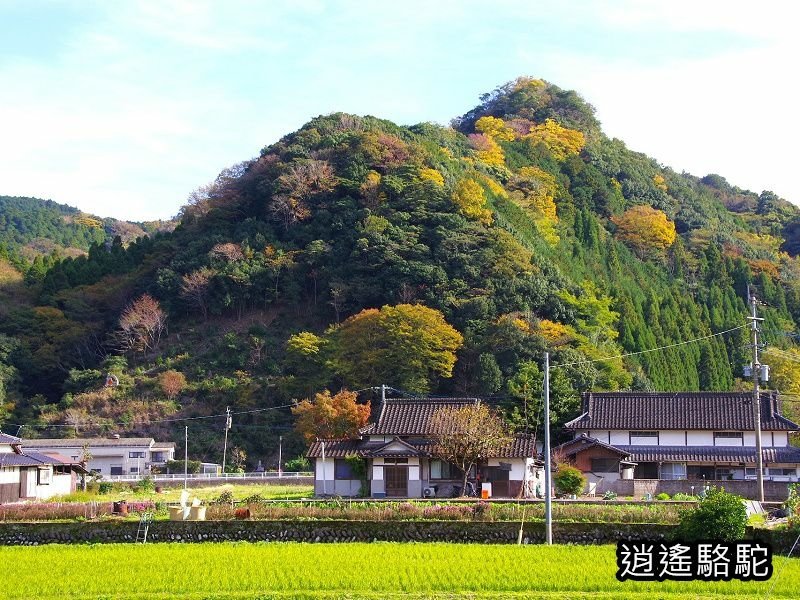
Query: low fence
{"points": [[774, 491]]}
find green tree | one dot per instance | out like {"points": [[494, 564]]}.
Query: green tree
{"points": [[407, 345]]}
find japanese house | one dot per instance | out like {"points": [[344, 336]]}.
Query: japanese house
{"points": [[696, 438], [29, 475], [399, 451]]}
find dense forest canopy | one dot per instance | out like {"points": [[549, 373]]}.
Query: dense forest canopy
{"points": [[446, 260]]}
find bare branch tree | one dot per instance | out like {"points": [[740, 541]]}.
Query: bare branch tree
{"points": [[194, 288], [467, 435], [141, 325]]}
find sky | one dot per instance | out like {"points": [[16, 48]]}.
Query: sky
{"points": [[123, 108]]}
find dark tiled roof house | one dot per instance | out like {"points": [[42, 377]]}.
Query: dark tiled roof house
{"points": [[692, 436], [400, 451]]}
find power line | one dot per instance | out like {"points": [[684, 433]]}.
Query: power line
{"points": [[154, 422], [683, 343]]}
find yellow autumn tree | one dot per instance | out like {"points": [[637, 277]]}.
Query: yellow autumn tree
{"points": [[407, 345], [495, 128], [432, 175], [487, 150], [660, 182], [645, 229], [534, 190], [471, 200], [561, 141]]}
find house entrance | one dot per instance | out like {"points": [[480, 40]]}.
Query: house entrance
{"points": [[498, 477], [396, 481]]}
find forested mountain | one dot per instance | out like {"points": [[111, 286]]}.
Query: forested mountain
{"points": [[30, 227], [445, 260]]}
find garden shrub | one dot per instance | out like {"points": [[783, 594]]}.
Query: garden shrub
{"points": [[144, 485], [680, 496], [718, 516], [610, 495], [569, 480], [662, 496], [105, 487], [301, 463]]}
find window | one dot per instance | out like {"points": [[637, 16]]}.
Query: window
{"points": [[605, 465], [673, 471], [342, 469], [116, 470], [644, 438], [781, 472], [45, 476], [444, 470], [158, 457], [136, 454], [135, 470], [728, 438]]}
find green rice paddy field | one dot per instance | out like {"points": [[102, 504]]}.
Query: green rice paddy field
{"points": [[379, 570]]}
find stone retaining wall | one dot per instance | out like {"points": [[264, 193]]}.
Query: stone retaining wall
{"points": [[324, 531]]}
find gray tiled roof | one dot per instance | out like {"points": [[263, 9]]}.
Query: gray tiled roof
{"points": [[9, 439], [583, 442], [12, 459], [341, 448], [718, 454], [521, 446], [92, 442], [679, 410], [412, 416]]}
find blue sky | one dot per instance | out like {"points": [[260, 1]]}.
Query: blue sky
{"points": [[123, 108]]}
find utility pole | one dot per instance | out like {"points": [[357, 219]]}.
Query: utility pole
{"points": [[383, 393], [280, 455], [324, 474], [756, 372], [228, 423], [548, 482], [186, 457]]}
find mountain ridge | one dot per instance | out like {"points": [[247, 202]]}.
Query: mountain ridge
{"points": [[524, 227]]}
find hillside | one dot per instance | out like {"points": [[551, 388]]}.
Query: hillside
{"points": [[522, 227], [31, 227]]}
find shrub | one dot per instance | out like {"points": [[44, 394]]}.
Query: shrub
{"points": [[145, 484], [680, 496], [662, 496], [569, 480], [225, 497], [610, 495], [105, 487], [792, 503], [301, 463], [718, 516]]}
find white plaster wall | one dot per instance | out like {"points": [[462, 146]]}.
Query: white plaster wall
{"points": [[620, 436], [327, 472], [61, 485], [5, 449], [749, 440], [701, 438], [9, 475], [517, 466], [781, 438], [413, 473], [377, 472], [671, 437]]}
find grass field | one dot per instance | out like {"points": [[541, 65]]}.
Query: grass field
{"points": [[268, 491], [380, 570]]}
